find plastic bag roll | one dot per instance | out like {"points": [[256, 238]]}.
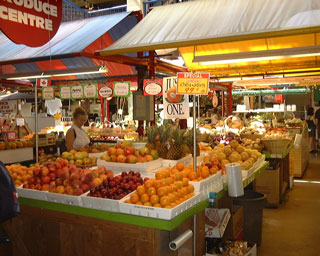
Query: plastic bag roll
{"points": [[234, 180], [297, 141]]}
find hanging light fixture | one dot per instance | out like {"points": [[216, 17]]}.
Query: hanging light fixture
{"points": [[55, 73]]}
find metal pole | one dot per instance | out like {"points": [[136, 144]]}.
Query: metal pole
{"points": [[198, 108], [194, 135], [36, 120]]}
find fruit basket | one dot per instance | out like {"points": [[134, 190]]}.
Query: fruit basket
{"points": [[98, 203], [276, 146], [64, 199], [155, 212], [138, 167], [187, 160], [32, 193], [213, 183]]}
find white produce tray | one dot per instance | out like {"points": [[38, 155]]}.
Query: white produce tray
{"points": [[32, 193], [98, 203], [124, 167], [96, 155], [187, 160], [257, 164], [138, 145], [213, 183], [155, 212], [64, 199]]}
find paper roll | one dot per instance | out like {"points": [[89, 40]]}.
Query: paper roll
{"points": [[234, 180]]}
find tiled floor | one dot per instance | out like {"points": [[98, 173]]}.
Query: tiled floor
{"points": [[294, 228]]}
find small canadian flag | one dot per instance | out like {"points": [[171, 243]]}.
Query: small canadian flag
{"points": [[43, 82]]}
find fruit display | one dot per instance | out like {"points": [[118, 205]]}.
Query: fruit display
{"points": [[158, 138], [45, 158], [80, 159], [15, 144], [254, 128], [276, 133], [224, 139], [204, 147], [176, 141], [294, 122], [19, 173], [108, 138], [95, 148], [117, 187], [63, 178], [126, 153], [232, 153], [253, 144], [166, 190]]}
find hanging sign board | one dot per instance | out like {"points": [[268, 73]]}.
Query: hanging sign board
{"points": [[7, 107], [121, 89], [65, 92], [11, 136], [193, 83], [152, 87], [90, 91], [30, 22], [215, 100], [77, 91], [20, 121], [174, 105], [105, 90], [48, 93]]}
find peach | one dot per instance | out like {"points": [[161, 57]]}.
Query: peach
{"points": [[60, 189], [77, 192], [69, 190], [97, 181]]}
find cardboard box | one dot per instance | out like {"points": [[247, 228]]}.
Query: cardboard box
{"points": [[252, 252], [216, 222], [268, 183], [235, 225]]}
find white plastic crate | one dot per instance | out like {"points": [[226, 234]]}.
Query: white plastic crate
{"points": [[213, 183], [32, 193], [155, 212], [125, 167], [64, 199], [187, 160], [98, 203]]}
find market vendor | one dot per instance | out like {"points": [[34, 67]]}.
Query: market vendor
{"points": [[76, 138]]}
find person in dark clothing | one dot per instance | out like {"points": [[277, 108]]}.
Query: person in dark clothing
{"points": [[317, 116], [311, 121]]}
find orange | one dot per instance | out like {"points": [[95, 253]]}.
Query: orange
{"points": [[139, 203], [172, 197], [180, 166], [173, 177], [164, 200], [179, 184], [205, 173], [173, 205], [179, 175], [192, 176], [147, 204], [144, 198], [174, 187], [159, 175], [190, 188], [157, 184], [213, 170], [166, 173], [152, 191], [128, 201], [157, 205], [168, 180], [154, 199], [141, 190], [134, 198], [169, 189], [185, 182], [161, 191], [148, 184], [168, 206]]}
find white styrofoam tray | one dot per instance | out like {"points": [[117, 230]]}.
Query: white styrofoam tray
{"points": [[98, 203], [187, 160], [32, 193], [64, 199], [138, 167], [155, 212], [213, 183], [257, 164]]}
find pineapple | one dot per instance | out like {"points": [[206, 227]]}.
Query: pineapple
{"points": [[151, 134], [176, 150], [163, 133], [189, 142]]}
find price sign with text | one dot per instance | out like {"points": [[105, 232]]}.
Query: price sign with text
{"points": [[90, 91], [65, 92], [76, 91], [11, 136], [193, 83], [105, 90], [47, 93], [152, 87], [121, 89]]}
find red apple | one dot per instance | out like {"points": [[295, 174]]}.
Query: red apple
{"points": [[58, 165], [112, 151], [31, 186], [66, 182], [74, 176], [31, 180], [77, 192], [45, 180], [129, 151], [60, 189], [113, 158], [52, 188], [121, 158], [37, 180], [132, 159], [69, 190], [38, 186], [52, 175], [58, 182], [45, 187], [110, 173], [84, 187], [76, 183], [36, 172]]}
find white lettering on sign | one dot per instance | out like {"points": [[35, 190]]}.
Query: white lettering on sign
{"points": [[153, 89], [105, 92]]}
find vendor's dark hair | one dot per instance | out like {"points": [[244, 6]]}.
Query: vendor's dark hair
{"points": [[310, 111], [79, 111]]}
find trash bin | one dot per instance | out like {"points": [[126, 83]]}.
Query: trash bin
{"points": [[253, 204]]}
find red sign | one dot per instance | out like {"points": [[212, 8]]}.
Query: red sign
{"points": [[11, 136], [152, 87], [30, 22], [105, 90]]}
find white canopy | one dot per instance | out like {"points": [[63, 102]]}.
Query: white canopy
{"points": [[219, 21]]}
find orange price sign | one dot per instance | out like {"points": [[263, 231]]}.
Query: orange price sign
{"points": [[193, 83]]}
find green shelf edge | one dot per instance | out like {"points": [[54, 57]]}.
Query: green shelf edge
{"points": [[167, 225], [116, 216]]}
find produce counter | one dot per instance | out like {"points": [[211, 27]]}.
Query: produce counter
{"points": [[47, 228]]}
